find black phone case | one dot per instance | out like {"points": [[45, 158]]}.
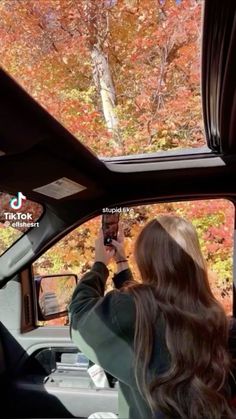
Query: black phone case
{"points": [[108, 238]]}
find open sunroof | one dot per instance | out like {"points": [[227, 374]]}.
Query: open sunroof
{"points": [[122, 75]]}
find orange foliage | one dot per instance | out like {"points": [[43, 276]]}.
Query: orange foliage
{"points": [[153, 53]]}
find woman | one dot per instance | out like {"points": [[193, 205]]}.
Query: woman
{"points": [[165, 339]]}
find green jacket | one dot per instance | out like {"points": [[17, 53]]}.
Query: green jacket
{"points": [[103, 329]]}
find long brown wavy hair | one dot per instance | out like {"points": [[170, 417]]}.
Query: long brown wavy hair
{"points": [[175, 286]]}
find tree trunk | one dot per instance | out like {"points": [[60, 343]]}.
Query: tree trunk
{"points": [[105, 87], [98, 29]]}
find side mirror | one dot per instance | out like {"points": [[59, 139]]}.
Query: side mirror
{"points": [[54, 293]]}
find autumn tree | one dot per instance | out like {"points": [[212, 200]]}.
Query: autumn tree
{"points": [[111, 71]]}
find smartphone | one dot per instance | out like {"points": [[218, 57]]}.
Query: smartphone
{"points": [[110, 226]]}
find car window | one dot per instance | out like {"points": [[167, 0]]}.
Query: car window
{"points": [[213, 219], [17, 215]]}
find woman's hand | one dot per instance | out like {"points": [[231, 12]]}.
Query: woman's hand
{"points": [[119, 245], [103, 253], [120, 256]]}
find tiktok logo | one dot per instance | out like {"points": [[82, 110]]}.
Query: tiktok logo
{"points": [[16, 203]]}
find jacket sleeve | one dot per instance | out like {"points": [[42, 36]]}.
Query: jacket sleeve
{"points": [[122, 277], [100, 324]]}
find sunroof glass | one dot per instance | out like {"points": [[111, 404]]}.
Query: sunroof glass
{"points": [[122, 75]]}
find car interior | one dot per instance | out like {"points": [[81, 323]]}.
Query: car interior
{"points": [[42, 373]]}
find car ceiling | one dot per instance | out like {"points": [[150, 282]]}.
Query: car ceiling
{"points": [[37, 149]]}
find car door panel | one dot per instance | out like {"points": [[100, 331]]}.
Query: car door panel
{"points": [[63, 389], [43, 379]]}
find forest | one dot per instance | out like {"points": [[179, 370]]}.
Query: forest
{"points": [[122, 75]]}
